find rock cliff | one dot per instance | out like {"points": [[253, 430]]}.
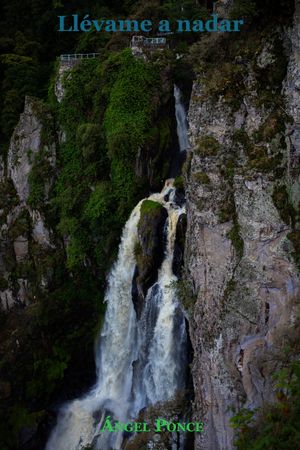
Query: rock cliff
{"points": [[23, 226], [242, 187]]}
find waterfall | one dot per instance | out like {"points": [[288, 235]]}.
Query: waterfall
{"points": [[139, 362], [182, 125]]}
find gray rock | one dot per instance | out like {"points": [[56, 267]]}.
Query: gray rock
{"points": [[26, 142], [7, 299], [245, 301], [64, 71], [21, 248]]}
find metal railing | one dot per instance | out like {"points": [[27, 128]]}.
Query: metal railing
{"points": [[76, 56], [141, 41]]}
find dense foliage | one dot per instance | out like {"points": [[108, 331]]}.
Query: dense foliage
{"points": [[107, 112]]}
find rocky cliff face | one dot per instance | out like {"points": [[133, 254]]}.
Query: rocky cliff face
{"points": [[242, 187], [23, 232]]}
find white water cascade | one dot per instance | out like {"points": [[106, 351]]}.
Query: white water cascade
{"points": [[182, 124], [139, 362]]}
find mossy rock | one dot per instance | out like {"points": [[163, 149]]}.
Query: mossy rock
{"points": [[201, 177], [207, 146], [227, 80], [242, 138], [179, 183], [186, 294], [149, 206], [260, 160], [186, 168], [227, 211], [236, 239], [282, 202], [273, 125], [149, 250]]}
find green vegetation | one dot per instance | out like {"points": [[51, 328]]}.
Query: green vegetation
{"points": [[273, 125], [201, 178], [186, 168], [50, 350], [275, 426], [149, 205], [260, 158], [230, 288], [179, 183], [41, 174], [98, 162], [236, 239], [21, 225], [130, 106], [186, 294], [282, 202], [227, 80], [226, 211], [207, 146], [241, 137]]}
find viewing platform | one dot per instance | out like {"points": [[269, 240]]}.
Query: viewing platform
{"points": [[76, 56], [140, 43], [72, 58]]}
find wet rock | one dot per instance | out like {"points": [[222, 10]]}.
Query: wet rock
{"points": [[177, 265], [149, 250]]}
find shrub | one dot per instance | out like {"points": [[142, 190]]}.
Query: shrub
{"points": [[99, 203]]}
